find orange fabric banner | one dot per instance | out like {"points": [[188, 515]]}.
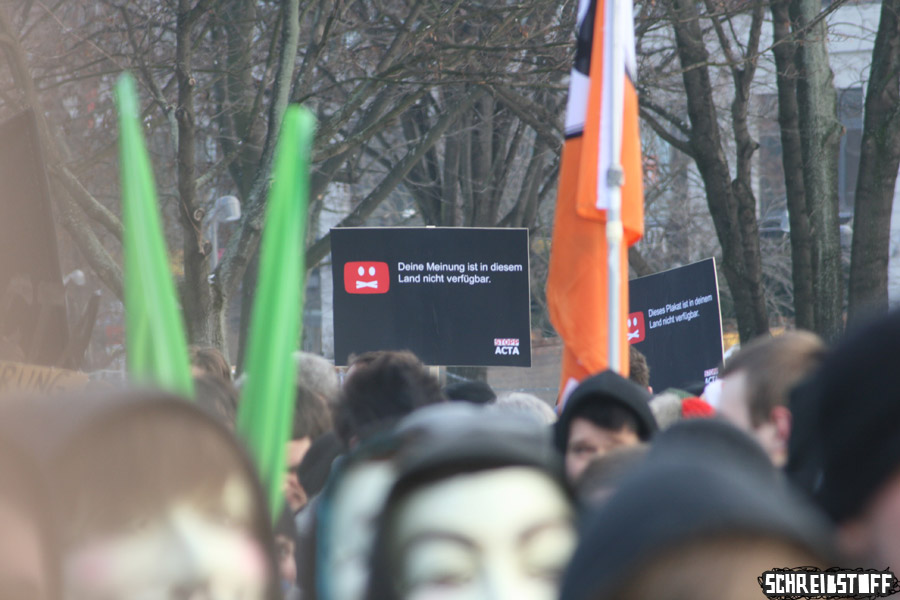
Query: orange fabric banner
{"points": [[577, 285]]}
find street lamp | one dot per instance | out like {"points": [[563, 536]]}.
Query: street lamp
{"points": [[226, 210]]}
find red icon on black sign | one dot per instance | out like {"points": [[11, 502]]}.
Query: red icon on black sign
{"points": [[365, 277], [636, 332]]}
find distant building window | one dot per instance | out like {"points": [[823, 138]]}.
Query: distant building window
{"points": [[850, 113], [772, 194]]}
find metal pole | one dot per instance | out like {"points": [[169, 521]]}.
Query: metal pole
{"points": [[214, 226], [614, 178]]}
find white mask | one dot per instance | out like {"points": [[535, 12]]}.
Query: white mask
{"points": [[354, 512], [183, 550], [497, 534]]}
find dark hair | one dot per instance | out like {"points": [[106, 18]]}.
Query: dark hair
{"points": [[210, 360], [285, 524], [608, 416], [313, 471], [605, 472], [218, 398], [312, 416], [638, 369], [476, 392], [774, 365], [381, 390]]}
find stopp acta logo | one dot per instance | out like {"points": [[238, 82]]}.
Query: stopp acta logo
{"points": [[812, 582]]}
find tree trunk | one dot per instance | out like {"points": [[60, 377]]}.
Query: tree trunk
{"points": [[244, 244], [784, 50], [742, 270], [820, 135], [197, 298], [878, 164], [743, 72], [248, 287]]}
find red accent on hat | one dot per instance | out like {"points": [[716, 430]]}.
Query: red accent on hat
{"points": [[696, 408]]}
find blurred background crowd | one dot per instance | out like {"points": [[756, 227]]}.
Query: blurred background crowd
{"points": [[399, 488]]}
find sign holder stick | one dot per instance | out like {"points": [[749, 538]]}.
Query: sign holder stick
{"points": [[614, 177]]}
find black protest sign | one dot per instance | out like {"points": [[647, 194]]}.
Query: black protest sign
{"points": [[32, 297], [453, 296], [674, 320]]}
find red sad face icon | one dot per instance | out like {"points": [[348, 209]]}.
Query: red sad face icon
{"points": [[636, 332], [365, 277]]}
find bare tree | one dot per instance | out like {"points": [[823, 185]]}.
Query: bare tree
{"points": [[820, 136], [730, 199], [878, 165], [217, 75], [784, 50]]}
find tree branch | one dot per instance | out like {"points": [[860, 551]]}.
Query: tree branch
{"points": [[682, 146], [88, 203], [321, 247], [537, 117]]}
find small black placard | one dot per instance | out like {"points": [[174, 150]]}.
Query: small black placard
{"points": [[453, 296], [674, 320]]}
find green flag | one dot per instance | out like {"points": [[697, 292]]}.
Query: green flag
{"points": [[267, 400], [155, 341]]}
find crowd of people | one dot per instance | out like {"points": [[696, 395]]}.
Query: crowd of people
{"points": [[399, 488]]}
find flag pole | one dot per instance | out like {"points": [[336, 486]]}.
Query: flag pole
{"points": [[614, 181]]}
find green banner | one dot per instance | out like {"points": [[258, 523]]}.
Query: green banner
{"points": [[155, 340], [267, 399]]}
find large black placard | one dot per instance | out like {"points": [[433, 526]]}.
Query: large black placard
{"points": [[32, 300], [675, 322], [453, 296]]}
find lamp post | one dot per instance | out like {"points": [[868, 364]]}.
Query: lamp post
{"points": [[226, 210]]}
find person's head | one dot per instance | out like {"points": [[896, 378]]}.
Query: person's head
{"points": [[380, 391], [603, 474], [698, 440], [674, 405], [756, 385], [346, 517], [456, 524], [161, 501], [638, 369], [716, 568], [29, 550], [606, 411], [318, 375], [217, 397], [692, 529], [285, 543], [315, 468], [312, 419], [206, 360], [476, 392], [527, 405], [851, 411]]}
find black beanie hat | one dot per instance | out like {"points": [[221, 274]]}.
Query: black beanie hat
{"points": [[314, 469], [473, 442], [700, 439], [667, 504], [853, 411], [606, 387]]}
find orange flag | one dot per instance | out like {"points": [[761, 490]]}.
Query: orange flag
{"points": [[577, 285]]}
